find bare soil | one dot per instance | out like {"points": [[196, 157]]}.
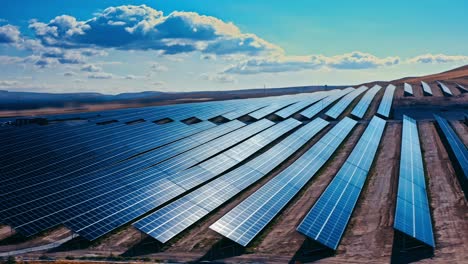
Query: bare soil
{"points": [[448, 205]]}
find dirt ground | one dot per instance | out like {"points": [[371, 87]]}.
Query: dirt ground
{"points": [[10, 242], [462, 131], [449, 207]]}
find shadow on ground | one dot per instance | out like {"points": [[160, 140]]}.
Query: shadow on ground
{"points": [[224, 248], [407, 249], [311, 251]]}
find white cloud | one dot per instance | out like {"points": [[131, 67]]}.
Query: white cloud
{"points": [[360, 60], [9, 34], [133, 77], [100, 75], [8, 83], [141, 28], [90, 68], [156, 67], [275, 64], [159, 83], [219, 77], [437, 58], [68, 74]]}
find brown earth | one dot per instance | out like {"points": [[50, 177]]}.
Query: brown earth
{"points": [[448, 205]]}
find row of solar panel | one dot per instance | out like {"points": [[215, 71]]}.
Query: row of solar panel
{"points": [[328, 218], [177, 216], [249, 218], [456, 147], [408, 89], [85, 142], [86, 180], [412, 215], [77, 195]]}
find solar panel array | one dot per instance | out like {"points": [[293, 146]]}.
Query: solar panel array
{"points": [[361, 108], [248, 219], [412, 216], [177, 216], [386, 103], [455, 144], [341, 106], [445, 89], [94, 178], [408, 89], [165, 168], [426, 88], [328, 218]]}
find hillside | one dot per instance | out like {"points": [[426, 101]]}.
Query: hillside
{"points": [[457, 75]]}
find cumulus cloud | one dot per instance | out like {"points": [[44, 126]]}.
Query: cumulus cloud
{"points": [[91, 68], [156, 67], [360, 60], [100, 75], [69, 74], [208, 57], [141, 28], [276, 64], [158, 83], [8, 83], [10, 59], [353, 60], [133, 77], [219, 77], [9, 34], [438, 58]]}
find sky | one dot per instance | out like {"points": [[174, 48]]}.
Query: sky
{"points": [[118, 46]]}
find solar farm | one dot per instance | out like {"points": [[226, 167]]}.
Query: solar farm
{"points": [[334, 175]]}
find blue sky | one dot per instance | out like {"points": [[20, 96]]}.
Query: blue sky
{"points": [[128, 46]]}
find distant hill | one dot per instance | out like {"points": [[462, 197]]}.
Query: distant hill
{"points": [[458, 75], [29, 100]]}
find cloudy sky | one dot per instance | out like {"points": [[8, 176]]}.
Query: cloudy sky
{"points": [[181, 45]]}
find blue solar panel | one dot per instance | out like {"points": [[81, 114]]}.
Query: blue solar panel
{"points": [[462, 88], [386, 103], [246, 220], [412, 215], [457, 147], [426, 88], [445, 89], [361, 108], [328, 218], [324, 103], [168, 222], [408, 89], [341, 106]]}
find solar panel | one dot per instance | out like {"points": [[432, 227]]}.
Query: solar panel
{"points": [[177, 216], [186, 179], [248, 219], [81, 191], [412, 215], [462, 88], [296, 107], [328, 218], [445, 89], [29, 188], [361, 108], [341, 106], [456, 146], [426, 88], [386, 103], [261, 113], [408, 89], [324, 103]]}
